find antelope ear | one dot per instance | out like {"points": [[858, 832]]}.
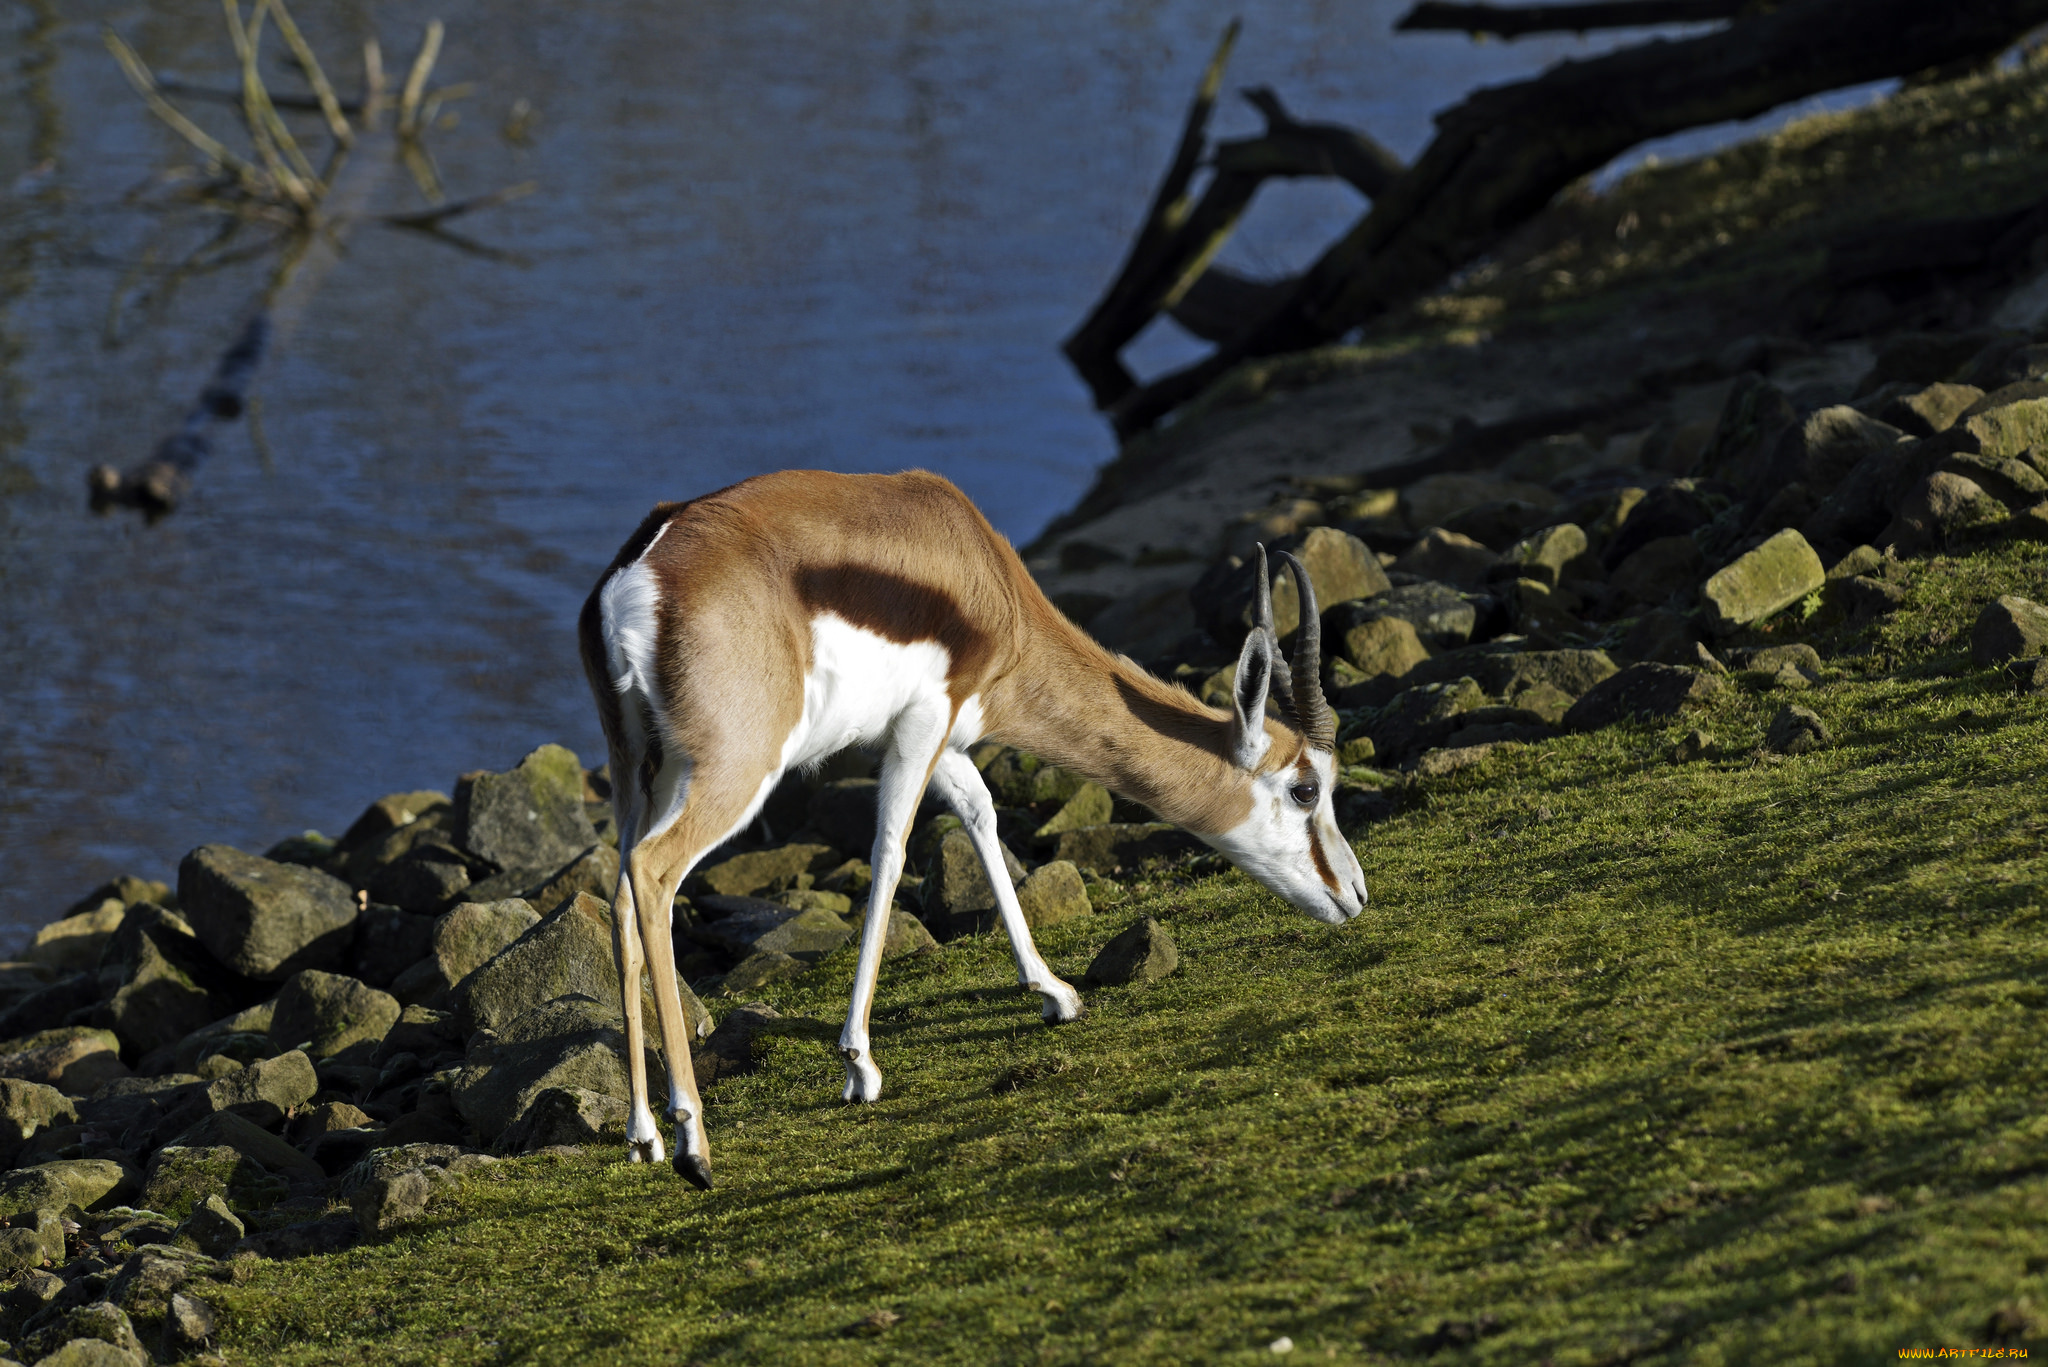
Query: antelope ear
{"points": [[1248, 738]]}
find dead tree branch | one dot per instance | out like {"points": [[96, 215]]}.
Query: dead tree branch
{"points": [[1513, 21]]}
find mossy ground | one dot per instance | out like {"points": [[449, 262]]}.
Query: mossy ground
{"points": [[1735, 1061]]}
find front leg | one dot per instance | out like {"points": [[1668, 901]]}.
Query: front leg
{"points": [[959, 783], [914, 745]]}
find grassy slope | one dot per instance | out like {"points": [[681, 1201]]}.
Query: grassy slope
{"points": [[1736, 1061]]}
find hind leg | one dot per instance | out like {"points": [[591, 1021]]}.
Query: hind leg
{"points": [[643, 1136]]}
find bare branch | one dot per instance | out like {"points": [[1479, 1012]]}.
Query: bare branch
{"points": [[1513, 21]]}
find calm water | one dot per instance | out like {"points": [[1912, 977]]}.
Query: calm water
{"points": [[784, 233]]}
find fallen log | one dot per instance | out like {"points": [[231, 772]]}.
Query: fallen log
{"points": [[1503, 154], [1514, 21]]}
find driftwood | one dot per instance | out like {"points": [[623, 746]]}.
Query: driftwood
{"points": [[1513, 21], [1503, 154]]}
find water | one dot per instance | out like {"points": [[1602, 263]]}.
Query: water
{"points": [[801, 233]]}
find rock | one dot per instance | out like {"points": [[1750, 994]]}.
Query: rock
{"points": [[389, 940], [1499, 524], [33, 1288], [595, 871], [1142, 953], [181, 1178], [261, 919], [763, 872], [1647, 691], [2001, 424], [73, 944], [1923, 412], [1356, 751], [254, 1020], [1772, 660], [1794, 731], [843, 811], [1660, 569], [212, 1228], [568, 1115], [1433, 499], [1123, 844], [758, 970], [326, 1118], [730, 1051], [1422, 718], [25, 1108], [1753, 418], [817, 899], [264, 1093], [2009, 628], [1821, 451], [423, 880], [906, 935], [1053, 893], [307, 1239], [2028, 524], [429, 829], [388, 814], [568, 952], [1543, 555], [1775, 575], [747, 925], [957, 885], [2029, 676], [1674, 509], [571, 1042], [93, 1335], [1386, 646], [81, 1182], [1537, 611], [169, 985], [1696, 745], [150, 1276], [327, 1013], [1864, 559], [1438, 763], [1662, 637], [529, 817], [1865, 599], [2011, 481], [1941, 508], [1018, 779], [473, 933], [1090, 806], [1341, 569], [226, 1129], [1545, 701], [383, 1204], [75, 1059], [1448, 557], [1443, 618], [189, 1326]]}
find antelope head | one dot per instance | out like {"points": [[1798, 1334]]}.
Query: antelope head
{"points": [[1289, 841]]}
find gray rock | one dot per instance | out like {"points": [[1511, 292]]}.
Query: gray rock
{"points": [[529, 817], [568, 952], [2009, 628], [224, 1128], [747, 925], [2028, 524], [1448, 558], [1821, 451], [1421, 718], [1053, 893], [1544, 555], [1794, 731], [92, 1353], [25, 1108], [595, 871], [262, 919], [387, 814], [189, 1326], [1383, 646], [1923, 412], [567, 1115], [212, 1227], [307, 1239], [957, 885], [1760, 582], [2029, 676], [2008, 479], [572, 1042], [33, 1288], [87, 1336], [361, 864], [264, 1093], [1661, 569], [73, 944], [1090, 806], [1500, 523], [1435, 498], [817, 899], [151, 1276], [420, 1030], [389, 940], [766, 872], [1142, 953], [170, 986], [1940, 510], [730, 1051], [185, 1055], [181, 1179], [1754, 417], [423, 880], [328, 1013], [1650, 692], [1865, 598], [1771, 660], [383, 1204], [1696, 745], [758, 970], [1675, 509], [906, 935], [843, 811], [1443, 618], [75, 1059], [1124, 844], [474, 933]]}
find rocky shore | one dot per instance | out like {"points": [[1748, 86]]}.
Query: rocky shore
{"points": [[291, 1052]]}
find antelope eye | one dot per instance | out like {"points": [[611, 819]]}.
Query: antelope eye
{"points": [[1304, 794]]}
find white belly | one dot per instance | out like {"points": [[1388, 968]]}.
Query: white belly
{"points": [[860, 683]]}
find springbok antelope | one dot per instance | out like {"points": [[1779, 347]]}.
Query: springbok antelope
{"points": [[770, 624]]}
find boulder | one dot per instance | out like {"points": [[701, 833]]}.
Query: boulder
{"points": [[1821, 451], [2009, 628], [25, 1108], [1536, 610], [1053, 893], [957, 885], [1941, 508], [387, 814], [419, 1030], [1421, 718], [73, 944], [1341, 569], [326, 1013], [843, 811], [265, 1092], [1651, 692], [1448, 558], [2029, 676], [150, 1276], [568, 1115], [389, 940], [1142, 953], [1090, 806], [817, 899], [1923, 412], [731, 1052], [529, 817], [423, 880], [383, 1204], [1754, 417], [189, 1326], [758, 970], [572, 1042], [212, 1228], [1771, 661], [81, 1182], [474, 933], [1660, 569], [183, 1178], [1543, 555], [304, 1239], [1676, 509], [1794, 731], [1016, 778], [1443, 618], [1762, 581], [169, 985], [1499, 524], [1451, 758], [1123, 845], [2028, 524], [765, 872], [595, 871], [361, 865], [747, 925], [1432, 500], [226, 1129], [2008, 479], [1386, 646], [568, 952], [75, 1059], [253, 1020], [906, 935], [263, 919], [96, 1334]]}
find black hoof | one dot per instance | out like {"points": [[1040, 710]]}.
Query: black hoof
{"points": [[693, 1170]]}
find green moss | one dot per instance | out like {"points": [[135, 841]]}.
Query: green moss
{"points": [[1728, 1062]]}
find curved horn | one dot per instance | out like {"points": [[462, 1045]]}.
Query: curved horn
{"points": [[1262, 620], [1311, 710]]}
